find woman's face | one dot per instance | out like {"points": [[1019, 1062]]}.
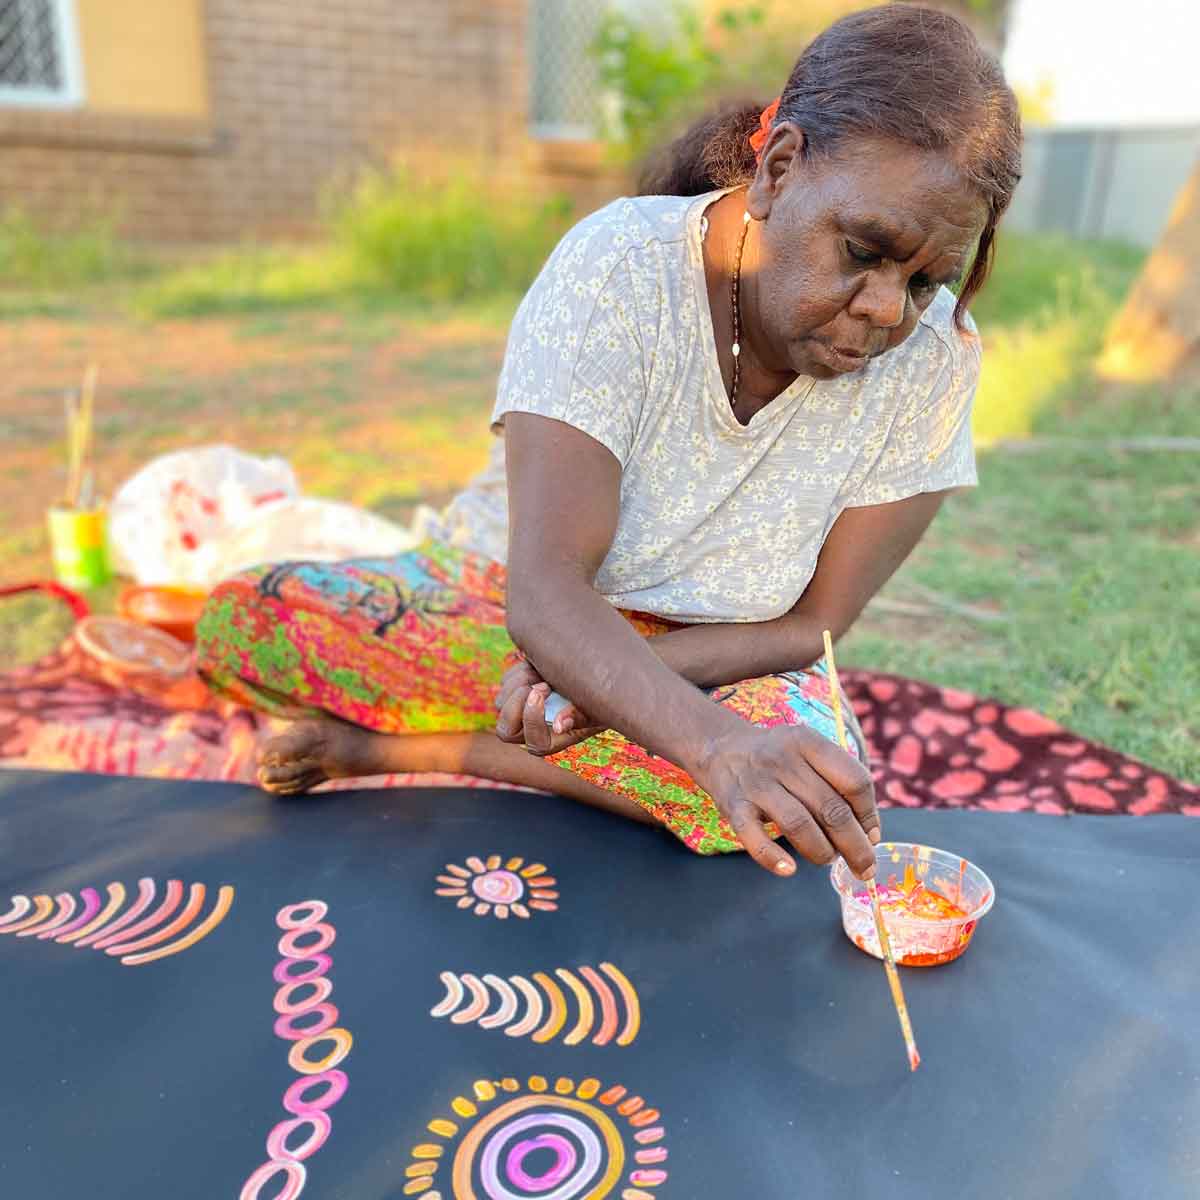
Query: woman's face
{"points": [[853, 247]]}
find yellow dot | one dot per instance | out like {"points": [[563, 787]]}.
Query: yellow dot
{"points": [[537, 1083], [564, 1087], [424, 1169], [484, 1090], [510, 1085], [588, 1088], [463, 1106], [442, 1127], [427, 1150], [417, 1185]]}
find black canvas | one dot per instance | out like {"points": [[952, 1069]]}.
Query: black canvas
{"points": [[1061, 1053]]}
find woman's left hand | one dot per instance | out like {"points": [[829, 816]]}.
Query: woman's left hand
{"points": [[522, 716]]}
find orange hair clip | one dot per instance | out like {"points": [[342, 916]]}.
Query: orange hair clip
{"points": [[766, 118]]}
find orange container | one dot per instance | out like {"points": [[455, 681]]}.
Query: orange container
{"points": [[174, 610]]}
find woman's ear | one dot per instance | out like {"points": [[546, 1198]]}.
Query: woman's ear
{"points": [[783, 154]]}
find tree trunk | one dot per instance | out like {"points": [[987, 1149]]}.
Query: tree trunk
{"points": [[1156, 335]]}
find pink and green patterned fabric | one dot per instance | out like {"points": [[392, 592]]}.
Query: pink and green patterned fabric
{"points": [[416, 643]]}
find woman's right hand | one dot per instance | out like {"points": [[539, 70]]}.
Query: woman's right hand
{"points": [[821, 798]]}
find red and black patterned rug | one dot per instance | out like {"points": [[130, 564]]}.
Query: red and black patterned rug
{"points": [[931, 747]]}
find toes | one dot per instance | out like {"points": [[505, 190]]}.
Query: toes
{"points": [[285, 770], [291, 783]]}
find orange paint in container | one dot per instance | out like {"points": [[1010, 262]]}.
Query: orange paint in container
{"points": [[931, 902]]}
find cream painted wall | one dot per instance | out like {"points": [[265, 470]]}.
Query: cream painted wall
{"points": [[144, 57]]}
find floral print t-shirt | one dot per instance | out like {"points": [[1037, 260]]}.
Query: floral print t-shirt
{"points": [[718, 521]]}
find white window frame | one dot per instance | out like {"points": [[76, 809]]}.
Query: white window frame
{"points": [[70, 93]]}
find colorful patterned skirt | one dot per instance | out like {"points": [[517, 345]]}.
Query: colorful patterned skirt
{"points": [[416, 643]]}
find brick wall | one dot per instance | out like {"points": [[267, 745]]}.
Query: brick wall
{"points": [[301, 90]]}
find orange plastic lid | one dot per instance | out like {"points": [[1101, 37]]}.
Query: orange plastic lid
{"points": [[175, 610]]}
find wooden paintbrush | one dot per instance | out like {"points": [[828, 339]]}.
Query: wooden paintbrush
{"points": [[79, 434], [885, 944]]}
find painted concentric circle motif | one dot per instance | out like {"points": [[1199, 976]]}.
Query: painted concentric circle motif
{"points": [[499, 887], [537, 1141]]}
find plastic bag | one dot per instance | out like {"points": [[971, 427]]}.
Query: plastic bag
{"points": [[170, 522], [313, 530]]}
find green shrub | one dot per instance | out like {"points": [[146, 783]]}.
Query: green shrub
{"points": [[393, 236], [662, 72], [449, 239]]}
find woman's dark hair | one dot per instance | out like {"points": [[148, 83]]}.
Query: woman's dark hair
{"points": [[911, 74]]}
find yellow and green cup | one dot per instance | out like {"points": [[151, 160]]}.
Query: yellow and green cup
{"points": [[79, 544]]}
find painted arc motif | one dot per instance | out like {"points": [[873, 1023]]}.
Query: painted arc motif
{"points": [[143, 933], [601, 1004], [539, 1140], [499, 887]]}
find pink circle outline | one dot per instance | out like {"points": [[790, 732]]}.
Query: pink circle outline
{"points": [[336, 1084], [297, 1176], [286, 1029], [287, 920], [277, 1146], [285, 1006], [325, 938], [282, 975]]}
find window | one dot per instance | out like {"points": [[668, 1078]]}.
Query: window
{"points": [[39, 58]]}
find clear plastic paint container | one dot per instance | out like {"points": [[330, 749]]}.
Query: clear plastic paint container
{"points": [[931, 900]]}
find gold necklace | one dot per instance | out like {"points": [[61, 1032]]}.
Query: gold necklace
{"points": [[737, 315]]}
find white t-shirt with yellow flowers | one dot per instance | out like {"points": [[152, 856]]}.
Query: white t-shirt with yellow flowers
{"points": [[718, 521]]}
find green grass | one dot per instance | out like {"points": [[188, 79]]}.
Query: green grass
{"points": [[1042, 316], [1039, 277], [248, 280], [1092, 557]]}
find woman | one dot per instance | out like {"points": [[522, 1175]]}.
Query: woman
{"points": [[730, 408]]}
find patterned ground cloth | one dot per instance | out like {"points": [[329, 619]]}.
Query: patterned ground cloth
{"points": [[930, 747], [416, 643]]}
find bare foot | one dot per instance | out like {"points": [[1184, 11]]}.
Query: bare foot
{"points": [[310, 752]]}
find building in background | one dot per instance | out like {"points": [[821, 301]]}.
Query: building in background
{"points": [[1123, 129], [211, 120], [218, 119]]}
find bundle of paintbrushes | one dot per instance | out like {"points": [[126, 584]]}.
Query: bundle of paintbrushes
{"points": [[77, 524], [80, 406]]}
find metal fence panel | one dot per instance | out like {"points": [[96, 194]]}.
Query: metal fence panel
{"points": [[564, 82], [1103, 182]]}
